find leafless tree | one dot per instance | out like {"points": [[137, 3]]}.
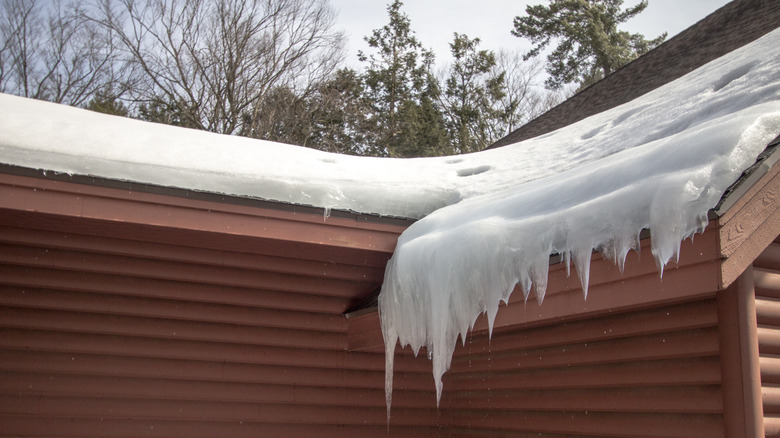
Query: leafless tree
{"points": [[525, 97], [213, 61], [48, 51]]}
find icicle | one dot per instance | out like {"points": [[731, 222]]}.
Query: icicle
{"points": [[539, 272], [582, 263], [491, 318], [390, 338], [525, 285]]}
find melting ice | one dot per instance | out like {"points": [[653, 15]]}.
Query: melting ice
{"points": [[659, 163]]}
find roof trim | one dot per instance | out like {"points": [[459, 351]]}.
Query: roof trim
{"points": [[244, 201], [764, 163], [261, 227]]}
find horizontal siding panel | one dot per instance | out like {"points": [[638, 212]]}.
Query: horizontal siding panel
{"points": [[653, 372], [766, 276], [460, 432], [161, 409], [365, 333], [367, 249], [768, 311], [770, 258], [89, 386], [697, 314], [160, 269], [768, 293], [83, 322], [595, 423], [114, 328], [671, 399], [771, 397], [767, 282], [680, 344], [49, 240], [63, 342], [772, 426], [215, 370], [47, 299], [177, 290], [768, 341], [16, 425], [704, 371]]}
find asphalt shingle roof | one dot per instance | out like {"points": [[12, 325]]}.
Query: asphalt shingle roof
{"points": [[730, 27]]}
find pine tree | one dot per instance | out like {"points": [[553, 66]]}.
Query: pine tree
{"points": [[590, 46], [160, 110], [106, 101], [341, 116], [471, 94], [422, 128], [398, 79]]}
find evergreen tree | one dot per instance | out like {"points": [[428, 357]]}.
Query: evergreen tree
{"points": [[422, 128], [160, 110], [332, 115], [106, 101], [398, 82], [471, 96], [590, 46], [282, 116], [342, 116]]}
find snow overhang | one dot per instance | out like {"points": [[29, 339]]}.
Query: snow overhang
{"points": [[748, 179]]}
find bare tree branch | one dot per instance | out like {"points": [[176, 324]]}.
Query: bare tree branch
{"points": [[214, 61], [50, 52]]}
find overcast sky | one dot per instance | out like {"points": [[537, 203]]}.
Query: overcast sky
{"points": [[434, 21]]}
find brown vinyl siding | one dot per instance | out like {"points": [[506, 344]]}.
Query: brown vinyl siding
{"points": [[109, 327], [766, 270], [126, 314], [640, 357], [653, 372]]}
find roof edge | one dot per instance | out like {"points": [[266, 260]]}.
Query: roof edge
{"points": [[764, 163], [200, 195]]}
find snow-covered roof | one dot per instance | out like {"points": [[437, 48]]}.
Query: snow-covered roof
{"points": [[659, 162], [726, 29], [490, 219]]}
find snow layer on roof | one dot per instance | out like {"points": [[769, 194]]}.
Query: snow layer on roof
{"points": [[64, 139], [659, 162], [491, 219]]}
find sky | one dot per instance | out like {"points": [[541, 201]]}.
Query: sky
{"points": [[435, 21]]}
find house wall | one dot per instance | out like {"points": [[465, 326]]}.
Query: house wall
{"points": [[645, 373], [133, 314], [640, 357], [766, 273], [113, 327], [701, 367]]}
